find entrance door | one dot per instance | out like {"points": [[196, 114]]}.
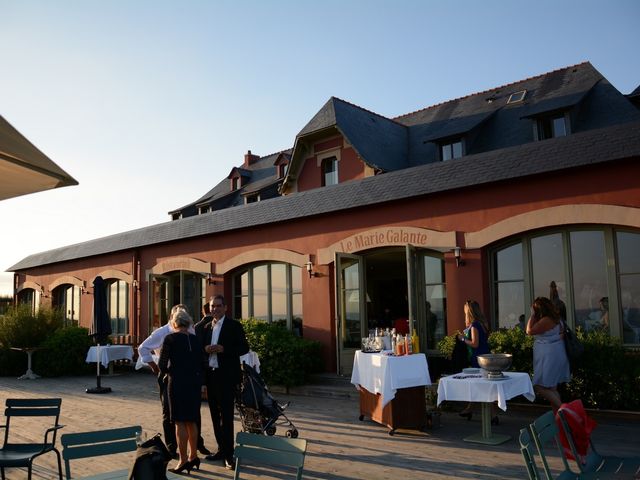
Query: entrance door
{"points": [[351, 307]]}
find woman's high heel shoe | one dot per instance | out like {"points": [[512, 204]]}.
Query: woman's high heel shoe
{"points": [[466, 415], [179, 469], [195, 463]]}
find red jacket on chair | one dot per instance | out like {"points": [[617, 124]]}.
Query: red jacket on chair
{"points": [[581, 426]]}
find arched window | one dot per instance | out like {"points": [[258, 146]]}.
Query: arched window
{"points": [[27, 296], [118, 306], [67, 298], [270, 292], [596, 271]]}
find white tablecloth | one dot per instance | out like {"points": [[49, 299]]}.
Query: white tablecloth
{"points": [[109, 353], [385, 374], [484, 390]]}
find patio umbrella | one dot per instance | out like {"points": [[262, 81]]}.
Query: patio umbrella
{"points": [[101, 327], [25, 169]]}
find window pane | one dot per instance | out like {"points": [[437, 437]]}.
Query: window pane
{"points": [[351, 299], [436, 315], [296, 314], [457, 149], [628, 248], [278, 292], [446, 152], [433, 270], [509, 263], [260, 293], [630, 303], [589, 263], [547, 258], [330, 171], [559, 127], [510, 304], [296, 279]]}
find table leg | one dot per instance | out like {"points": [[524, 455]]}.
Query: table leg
{"points": [[486, 437], [29, 375]]}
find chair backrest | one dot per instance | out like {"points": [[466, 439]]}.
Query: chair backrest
{"points": [[545, 430], [526, 448], [33, 407], [97, 443], [270, 450]]}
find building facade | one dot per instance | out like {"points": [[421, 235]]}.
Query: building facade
{"points": [[371, 222]]}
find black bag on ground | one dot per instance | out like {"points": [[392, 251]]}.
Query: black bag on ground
{"points": [[152, 457], [573, 346]]}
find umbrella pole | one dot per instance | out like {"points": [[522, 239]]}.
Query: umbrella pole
{"points": [[99, 388]]}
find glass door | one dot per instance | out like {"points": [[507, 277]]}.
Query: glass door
{"points": [[351, 308], [159, 301]]}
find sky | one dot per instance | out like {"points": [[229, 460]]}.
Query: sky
{"points": [[150, 103]]}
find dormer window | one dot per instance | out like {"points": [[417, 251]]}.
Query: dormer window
{"points": [[204, 209], [176, 216], [235, 183], [329, 171], [451, 150], [281, 169], [552, 126], [252, 198]]}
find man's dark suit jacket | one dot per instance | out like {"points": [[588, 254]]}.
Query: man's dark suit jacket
{"points": [[234, 341]]}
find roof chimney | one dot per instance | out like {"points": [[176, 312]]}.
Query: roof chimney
{"points": [[250, 159]]}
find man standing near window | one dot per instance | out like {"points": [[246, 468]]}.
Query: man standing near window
{"points": [[224, 342]]}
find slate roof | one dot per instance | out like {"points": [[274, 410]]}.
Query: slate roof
{"points": [[577, 150]]}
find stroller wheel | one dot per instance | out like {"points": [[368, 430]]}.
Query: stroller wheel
{"points": [[293, 433], [271, 431]]}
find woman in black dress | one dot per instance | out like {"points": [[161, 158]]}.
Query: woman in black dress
{"points": [[181, 360]]}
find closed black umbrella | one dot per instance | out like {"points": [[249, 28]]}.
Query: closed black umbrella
{"points": [[101, 328]]}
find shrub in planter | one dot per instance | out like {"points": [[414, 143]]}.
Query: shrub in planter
{"points": [[516, 342], [65, 353], [284, 358]]}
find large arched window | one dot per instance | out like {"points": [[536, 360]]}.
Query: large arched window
{"points": [[67, 298], [118, 306], [270, 292], [596, 271]]}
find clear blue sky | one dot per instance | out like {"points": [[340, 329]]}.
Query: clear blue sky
{"points": [[150, 103]]}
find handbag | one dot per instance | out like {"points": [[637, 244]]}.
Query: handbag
{"points": [[572, 345], [152, 457]]}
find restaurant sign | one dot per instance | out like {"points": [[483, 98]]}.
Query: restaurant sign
{"points": [[388, 236]]}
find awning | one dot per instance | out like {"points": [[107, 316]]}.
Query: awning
{"points": [[25, 169]]}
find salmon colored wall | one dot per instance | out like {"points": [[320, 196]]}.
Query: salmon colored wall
{"points": [[469, 210]]}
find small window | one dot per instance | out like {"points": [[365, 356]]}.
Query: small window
{"points": [[252, 198], [451, 150], [205, 209], [176, 216], [281, 170], [552, 127], [235, 183], [517, 97], [329, 171]]}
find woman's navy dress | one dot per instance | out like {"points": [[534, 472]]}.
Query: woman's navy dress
{"points": [[483, 343], [181, 359]]}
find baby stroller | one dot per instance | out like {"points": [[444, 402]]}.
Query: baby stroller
{"points": [[259, 411]]}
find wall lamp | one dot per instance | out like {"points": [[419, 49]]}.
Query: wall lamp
{"points": [[310, 271], [457, 253], [210, 279], [43, 293], [136, 284]]}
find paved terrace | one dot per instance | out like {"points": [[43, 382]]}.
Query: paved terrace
{"points": [[340, 446]]}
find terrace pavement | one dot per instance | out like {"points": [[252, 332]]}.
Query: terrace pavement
{"points": [[340, 446]]}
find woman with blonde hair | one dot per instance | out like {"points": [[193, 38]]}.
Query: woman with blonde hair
{"points": [[550, 362], [181, 361], [476, 337]]}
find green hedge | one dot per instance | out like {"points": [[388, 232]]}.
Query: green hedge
{"points": [[606, 377], [64, 348], [285, 359]]}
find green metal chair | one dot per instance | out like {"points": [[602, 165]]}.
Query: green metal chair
{"points": [[544, 430], [98, 443], [16, 455], [605, 466], [526, 450], [261, 449]]}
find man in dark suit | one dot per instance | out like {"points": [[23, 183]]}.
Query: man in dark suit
{"points": [[224, 342]]}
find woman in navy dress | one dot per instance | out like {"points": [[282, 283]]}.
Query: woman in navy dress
{"points": [[476, 337], [181, 360]]}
